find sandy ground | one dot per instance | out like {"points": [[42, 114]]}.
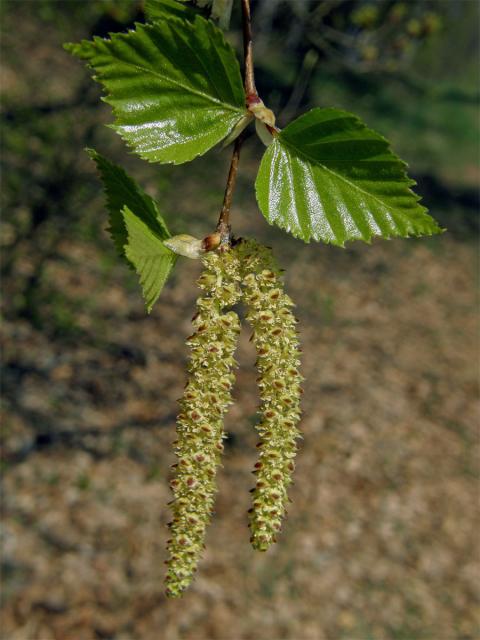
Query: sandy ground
{"points": [[380, 540]]}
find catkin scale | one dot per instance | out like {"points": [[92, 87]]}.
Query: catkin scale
{"points": [[276, 342], [205, 400]]}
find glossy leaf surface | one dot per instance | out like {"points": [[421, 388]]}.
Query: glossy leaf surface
{"points": [[121, 190], [327, 177], [152, 261], [174, 85]]}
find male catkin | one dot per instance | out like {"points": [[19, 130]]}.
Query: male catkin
{"points": [[200, 422], [276, 342]]}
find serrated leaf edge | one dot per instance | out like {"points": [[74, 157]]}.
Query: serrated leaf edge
{"points": [[149, 301], [141, 27], [408, 182]]}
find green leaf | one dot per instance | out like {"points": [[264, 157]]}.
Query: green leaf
{"points": [[175, 86], [152, 260], [220, 10], [121, 190], [161, 9], [137, 228], [328, 177]]}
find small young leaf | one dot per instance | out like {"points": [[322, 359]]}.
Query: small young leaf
{"points": [[328, 177], [263, 133], [150, 257], [174, 85], [222, 12], [121, 190]]}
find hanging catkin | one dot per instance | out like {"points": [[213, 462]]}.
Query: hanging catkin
{"points": [[276, 342], [205, 400]]}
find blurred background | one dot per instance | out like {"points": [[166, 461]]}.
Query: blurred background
{"points": [[380, 542]]}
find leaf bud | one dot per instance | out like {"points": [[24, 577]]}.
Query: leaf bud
{"points": [[185, 245]]}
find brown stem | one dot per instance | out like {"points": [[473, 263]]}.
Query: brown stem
{"points": [[250, 89], [223, 226]]}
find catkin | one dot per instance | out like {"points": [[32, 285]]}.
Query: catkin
{"points": [[276, 342], [205, 400]]}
